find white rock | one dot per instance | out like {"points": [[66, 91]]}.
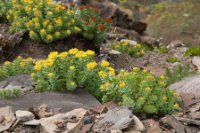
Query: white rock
{"points": [[33, 122], [48, 124], [131, 42], [138, 124], [24, 115], [115, 52]]}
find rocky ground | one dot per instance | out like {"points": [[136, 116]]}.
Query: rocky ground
{"points": [[79, 112]]}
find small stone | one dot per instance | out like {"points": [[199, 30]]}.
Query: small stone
{"points": [[175, 44], [33, 122], [116, 131], [138, 124], [87, 120], [131, 42], [24, 115]]}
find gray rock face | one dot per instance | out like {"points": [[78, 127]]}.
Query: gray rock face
{"points": [[188, 85], [67, 101], [23, 82]]}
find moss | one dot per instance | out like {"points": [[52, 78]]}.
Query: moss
{"points": [[172, 60], [195, 51]]}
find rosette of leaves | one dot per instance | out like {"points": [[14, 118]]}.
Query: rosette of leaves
{"points": [[92, 25]]}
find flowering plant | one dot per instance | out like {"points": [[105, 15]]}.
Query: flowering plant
{"points": [[19, 66], [4, 6], [141, 90], [44, 20], [93, 26], [125, 47]]}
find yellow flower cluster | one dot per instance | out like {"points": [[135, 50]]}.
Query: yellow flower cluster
{"points": [[91, 65], [44, 20]]}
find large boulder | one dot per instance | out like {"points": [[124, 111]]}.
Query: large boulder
{"points": [[188, 85], [66, 101]]}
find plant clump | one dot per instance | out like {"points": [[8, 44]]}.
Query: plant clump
{"points": [[194, 51], [14, 93], [19, 66], [4, 6], [66, 71], [92, 25], [49, 21], [125, 47], [140, 90]]}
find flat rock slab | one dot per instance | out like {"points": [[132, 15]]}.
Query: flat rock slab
{"points": [[66, 101], [189, 85]]}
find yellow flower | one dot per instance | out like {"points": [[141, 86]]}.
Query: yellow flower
{"points": [[49, 37], [162, 77], [111, 71], [144, 71], [72, 67], [63, 54], [80, 54], [50, 74], [122, 84], [147, 89], [105, 63], [125, 43], [136, 69], [90, 52], [91, 65], [77, 29], [102, 74], [49, 13], [150, 78], [28, 59], [7, 62], [176, 106], [164, 98], [68, 32], [138, 46], [27, 9], [22, 64], [53, 55], [57, 33], [73, 51], [32, 74], [42, 31], [38, 67]]}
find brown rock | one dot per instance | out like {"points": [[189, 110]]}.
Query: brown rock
{"points": [[195, 115], [86, 128], [173, 122], [9, 118], [2, 118], [99, 109]]}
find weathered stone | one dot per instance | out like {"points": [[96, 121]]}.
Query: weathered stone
{"points": [[67, 101], [173, 122], [33, 122], [117, 119], [116, 131], [188, 85], [131, 42], [22, 82], [64, 122], [138, 126], [8, 120], [149, 40], [24, 115], [175, 44]]}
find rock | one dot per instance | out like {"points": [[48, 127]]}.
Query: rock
{"points": [[24, 115], [70, 122], [138, 126], [86, 128], [171, 121], [175, 44], [99, 109], [116, 131], [154, 129], [67, 101], [7, 118], [41, 111], [33, 122], [114, 52], [196, 62], [110, 105], [188, 99], [132, 131], [149, 40], [89, 120], [131, 42], [195, 115], [188, 85], [116, 119], [24, 83]]}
